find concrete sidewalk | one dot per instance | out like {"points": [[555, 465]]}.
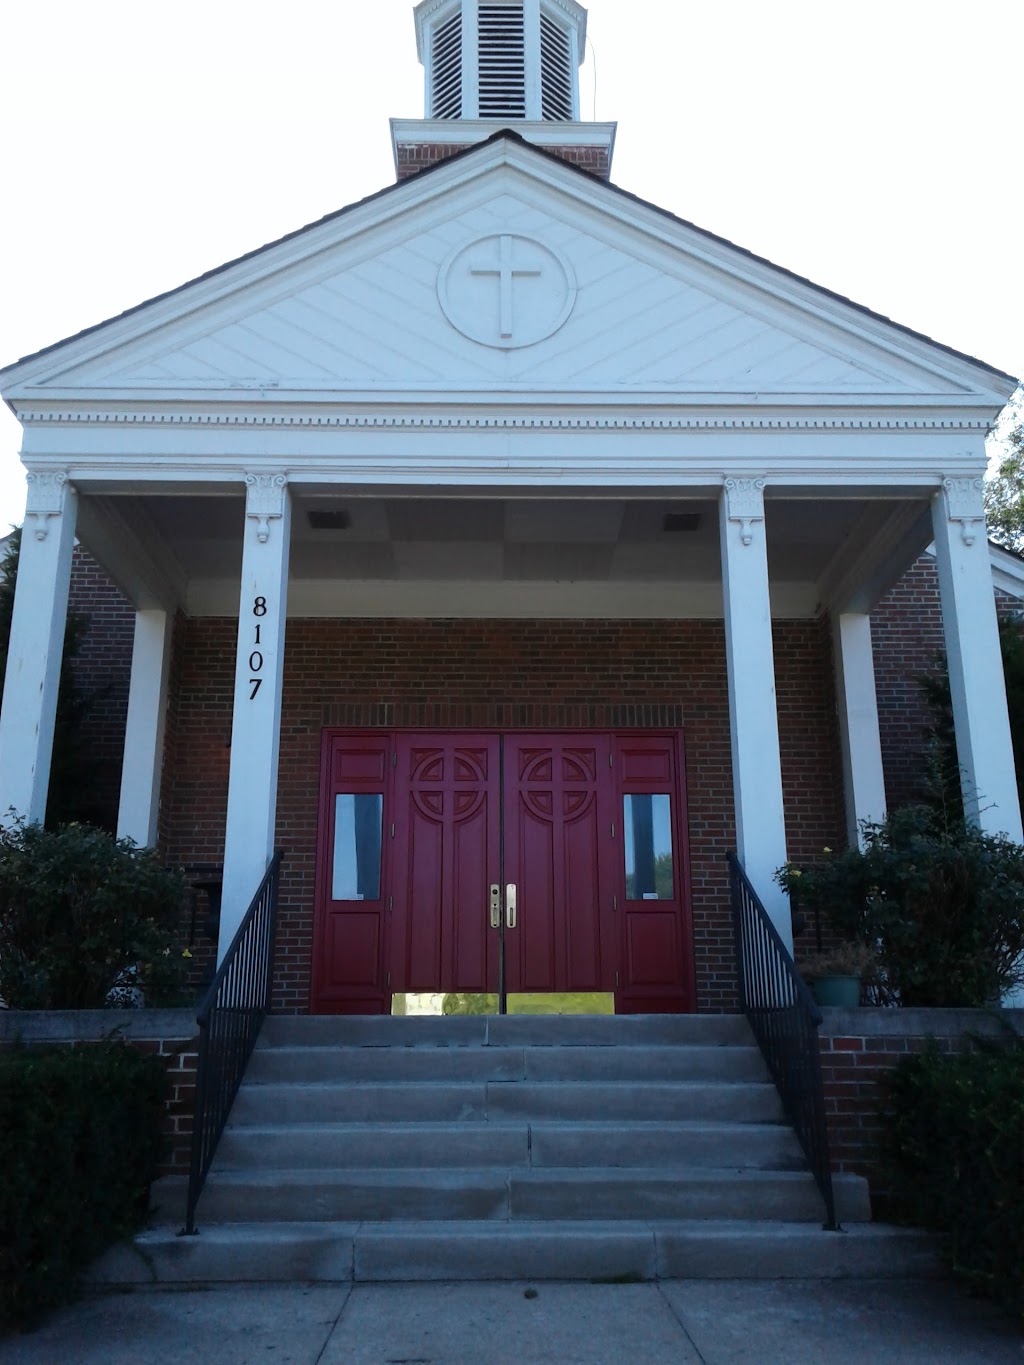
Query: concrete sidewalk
{"points": [[718, 1322]]}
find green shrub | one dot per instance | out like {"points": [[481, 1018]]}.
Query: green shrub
{"points": [[941, 902], [80, 913], [953, 1158], [80, 1137]]}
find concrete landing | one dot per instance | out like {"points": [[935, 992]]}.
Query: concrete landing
{"points": [[724, 1322]]}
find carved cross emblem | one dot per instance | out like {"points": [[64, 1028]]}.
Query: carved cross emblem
{"points": [[506, 290]]}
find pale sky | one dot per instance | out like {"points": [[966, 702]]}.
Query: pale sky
{"points": [[873, 148]]}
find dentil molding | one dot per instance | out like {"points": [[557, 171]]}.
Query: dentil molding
{"points": [[533, 422]]}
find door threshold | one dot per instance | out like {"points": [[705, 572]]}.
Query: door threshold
{"points": [[434, 1004]]}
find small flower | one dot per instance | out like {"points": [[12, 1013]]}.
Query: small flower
{"points": [[186, 953], [826, 849], [795, 872]]}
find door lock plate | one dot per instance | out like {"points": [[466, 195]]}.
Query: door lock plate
{"points": [[495, 906], [510, 905]]}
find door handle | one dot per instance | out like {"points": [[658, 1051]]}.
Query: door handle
{"points": [[495, 906], [510, 905]]}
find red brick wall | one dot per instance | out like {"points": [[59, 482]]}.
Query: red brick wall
{"points": [[856, 1048], [906, 632], [508, 674], [413, 157], [66, 1029], [102, 668]]}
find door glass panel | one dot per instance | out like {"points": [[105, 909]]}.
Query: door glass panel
{"points": [[358, 821], [647, 829]]}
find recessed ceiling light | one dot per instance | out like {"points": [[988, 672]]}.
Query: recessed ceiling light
{"points": [[329, 519], [680, 521]]}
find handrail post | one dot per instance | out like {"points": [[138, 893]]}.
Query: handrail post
{"points": [[230, 1018], [785, 1021]]}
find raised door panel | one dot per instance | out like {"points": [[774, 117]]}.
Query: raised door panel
{"points": [[653, 876], [445, 853], [556, 795], [351, 896]]}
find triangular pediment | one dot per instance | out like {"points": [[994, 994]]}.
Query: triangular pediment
{"points": [[503, 272]]}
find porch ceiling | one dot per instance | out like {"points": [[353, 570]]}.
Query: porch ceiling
{"points": [[357, 555]]}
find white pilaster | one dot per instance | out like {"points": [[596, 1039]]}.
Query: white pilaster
{"points": [[753, 716], [36, 646], [144, 729], [863, 779], [975, 663], [256, 725]]}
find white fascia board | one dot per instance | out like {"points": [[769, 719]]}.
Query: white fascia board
{"points": [[118, 456], [360, 599]]}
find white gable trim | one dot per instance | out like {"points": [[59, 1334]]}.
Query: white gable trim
{"points": [[388, 215]]}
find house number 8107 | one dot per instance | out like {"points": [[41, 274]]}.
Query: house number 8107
{"points": [[259, 609]]}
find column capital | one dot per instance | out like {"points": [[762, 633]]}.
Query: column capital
{"points": [[264, 501], [964, 501], [744, 504], [47, 495]]}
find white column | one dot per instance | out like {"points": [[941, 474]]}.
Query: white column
{"points": [[144, 729], [36, 646], [975, 662], [753, 715], [256, 725], [863, 779]]}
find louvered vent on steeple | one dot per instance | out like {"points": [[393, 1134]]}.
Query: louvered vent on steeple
{"points": [[494, 64], [556, 72], [502, 61], [446, 69]]}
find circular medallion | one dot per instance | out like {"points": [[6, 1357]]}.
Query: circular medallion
{"points": [[506, 291]]}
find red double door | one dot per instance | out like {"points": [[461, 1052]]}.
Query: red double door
{"points": [[461, 862]]}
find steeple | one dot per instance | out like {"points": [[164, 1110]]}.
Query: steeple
{"points": [[493, 64]]}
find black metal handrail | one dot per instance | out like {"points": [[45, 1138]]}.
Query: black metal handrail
{"points": [[230, 1019], [785, 1021]]}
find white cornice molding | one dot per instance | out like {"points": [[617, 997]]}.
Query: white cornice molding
{"points": [[484, 421]]}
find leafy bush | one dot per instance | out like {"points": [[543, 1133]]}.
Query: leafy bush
{"points": [[952, 1154], [941, 902], [80, 1136], [81, 912]]}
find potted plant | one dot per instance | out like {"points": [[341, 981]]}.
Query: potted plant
{"points": [[836, 974]]}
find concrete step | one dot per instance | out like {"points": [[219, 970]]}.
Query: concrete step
{"points": [[674, 1249], [362, 1102], [385, 1195], [643, 1065], [603, 1030], [765, 1146]]}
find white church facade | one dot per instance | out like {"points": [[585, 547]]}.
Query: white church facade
{"points": [[504, 549]]}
